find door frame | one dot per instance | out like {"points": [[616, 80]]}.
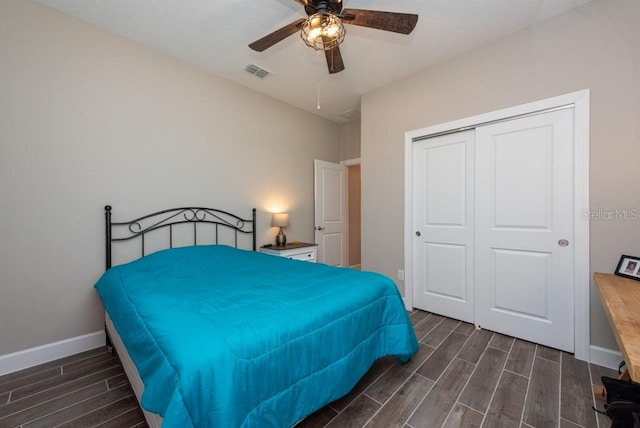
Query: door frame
{"points": [[345, 188], [579, 101], [347, 163]]}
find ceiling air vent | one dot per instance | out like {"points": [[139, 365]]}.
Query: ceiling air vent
{"points": [[257, 71], [350, 115]]}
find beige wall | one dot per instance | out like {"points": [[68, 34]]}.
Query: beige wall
{"points": [[350, 133], [594, 47], [88, 118]]}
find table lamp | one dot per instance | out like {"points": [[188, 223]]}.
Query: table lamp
{"points": [[280, 220]]}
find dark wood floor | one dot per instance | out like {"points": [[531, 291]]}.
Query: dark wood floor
{"points": [[461, 377], [84, 390]]}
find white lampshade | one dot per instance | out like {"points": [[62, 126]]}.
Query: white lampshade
{"points": [[280, 219]]}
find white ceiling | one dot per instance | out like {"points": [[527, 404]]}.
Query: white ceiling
{"points": [[214, 34]]}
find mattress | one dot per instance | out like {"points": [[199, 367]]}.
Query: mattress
{"points": [[226, 337], [153, 420]]}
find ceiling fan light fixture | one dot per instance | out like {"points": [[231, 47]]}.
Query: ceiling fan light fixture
{"points": [[322, 31]]}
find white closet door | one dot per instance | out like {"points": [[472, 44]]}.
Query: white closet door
{"points": [[524, 228], [443, 225]]}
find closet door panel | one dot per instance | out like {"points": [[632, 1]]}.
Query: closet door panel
{"points": [[443, 225], [524, 218]]}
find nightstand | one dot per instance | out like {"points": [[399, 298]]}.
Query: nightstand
{"points": [[298, 251]]}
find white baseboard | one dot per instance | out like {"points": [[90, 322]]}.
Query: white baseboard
{"points": [[605, 357], [10, 363]]}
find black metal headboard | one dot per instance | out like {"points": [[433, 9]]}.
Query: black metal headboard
{"points": [[139, 227]]}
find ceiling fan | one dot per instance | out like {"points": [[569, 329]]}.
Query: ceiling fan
{"points": [[324, 29]]}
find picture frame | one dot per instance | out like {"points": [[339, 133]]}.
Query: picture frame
{"points": [[629, 267]]}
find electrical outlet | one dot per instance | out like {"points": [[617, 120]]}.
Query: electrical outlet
{"points": [[400, 275]]}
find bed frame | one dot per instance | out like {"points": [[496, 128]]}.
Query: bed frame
{"points": [[138, 228], [168, 219]]}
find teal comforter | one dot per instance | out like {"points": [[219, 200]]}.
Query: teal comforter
{"points": [[224, 337]]}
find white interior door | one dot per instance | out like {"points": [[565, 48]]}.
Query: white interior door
{"points": [[524, 228], [331, 218], [443, 225]]}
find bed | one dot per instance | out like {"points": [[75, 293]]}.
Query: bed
{"points": [[214, 335]]}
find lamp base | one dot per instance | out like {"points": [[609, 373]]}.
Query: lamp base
{"points": [[281, 238]]}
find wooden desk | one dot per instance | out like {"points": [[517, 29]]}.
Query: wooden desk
{"points": [[621, 298]]}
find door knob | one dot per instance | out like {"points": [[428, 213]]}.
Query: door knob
{"points": [[319, 228], [418, 233], [563, 243]]}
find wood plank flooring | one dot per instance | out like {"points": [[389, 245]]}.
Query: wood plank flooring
{"points": [[85, 390], [461, 377]]}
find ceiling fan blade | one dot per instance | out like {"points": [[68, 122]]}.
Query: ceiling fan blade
{"points": [[277, 36], [334, 60], [402, 23]]}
